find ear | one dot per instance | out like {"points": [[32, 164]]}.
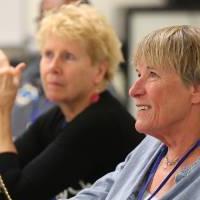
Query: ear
{"points": [[101, 70], [196, 94]]}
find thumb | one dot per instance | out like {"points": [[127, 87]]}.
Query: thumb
{"points": [[17, 71], [19, 68]]}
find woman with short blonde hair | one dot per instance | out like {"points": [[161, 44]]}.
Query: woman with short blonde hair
{"points": [[166, 165]]}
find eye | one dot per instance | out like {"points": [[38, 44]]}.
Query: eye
{"points": [[138, 74], [153, 74], [68, 56], [47, 54]]}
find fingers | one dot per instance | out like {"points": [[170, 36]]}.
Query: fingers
{"points": [[19, 68], [17, 73], [16, 81], [8, 74], [11, 75], [3, 59], [4, 62]]}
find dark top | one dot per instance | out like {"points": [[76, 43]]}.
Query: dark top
{"points": [[53, 156]]}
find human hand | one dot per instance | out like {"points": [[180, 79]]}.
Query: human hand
{"points": [[9, 81]]}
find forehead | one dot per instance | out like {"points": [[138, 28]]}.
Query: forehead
{"points": [[145, 67], [54, 41], [149, 64]]}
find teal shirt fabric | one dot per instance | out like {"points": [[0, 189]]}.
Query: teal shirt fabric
{"points": [[125, 182]]}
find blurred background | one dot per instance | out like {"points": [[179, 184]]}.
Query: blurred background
{"points": [[132, 19]]}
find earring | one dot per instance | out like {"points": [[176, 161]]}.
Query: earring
{"points": [[95, 98]]}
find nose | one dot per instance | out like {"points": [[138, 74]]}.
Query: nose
{"points": [[137, 89], [55, 65]]}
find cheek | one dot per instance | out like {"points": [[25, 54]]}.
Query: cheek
{"points": [[42, 67], [172, 107], [151, 119], [163, 103], [177, 103], [87, 76], [42, 72]]}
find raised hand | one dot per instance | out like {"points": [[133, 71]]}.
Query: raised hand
{"points": [[9, 81]]}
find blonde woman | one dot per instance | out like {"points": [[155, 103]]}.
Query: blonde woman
{"points": [[166, 165], [89, 131]]}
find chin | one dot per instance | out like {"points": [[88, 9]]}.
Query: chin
{"points": [[141, 127], [53, 98]]}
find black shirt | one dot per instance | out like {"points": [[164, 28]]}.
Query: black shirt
{"points": [[53, 156]]}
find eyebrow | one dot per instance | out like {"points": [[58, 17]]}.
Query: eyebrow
{"points": [[149, 67]]}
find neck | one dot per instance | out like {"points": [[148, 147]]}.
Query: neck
{"points": [[177, 148], [174, 155], [179, 138], [169, 163], [74, 108]]}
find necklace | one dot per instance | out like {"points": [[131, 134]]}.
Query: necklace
{"points": [[169, 162], [3, 189], [154, 168]]}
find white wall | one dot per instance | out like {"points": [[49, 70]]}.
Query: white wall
{"points": [[12, 20], [111, 9], [17, 18], [108, 7], [32, 12]]}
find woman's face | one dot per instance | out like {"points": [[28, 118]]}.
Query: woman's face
{"points": [[162, 100], [67, 72]]}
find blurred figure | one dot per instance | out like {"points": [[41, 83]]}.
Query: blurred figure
{"points": [[46, 5], [88, 131], [31, 101]]}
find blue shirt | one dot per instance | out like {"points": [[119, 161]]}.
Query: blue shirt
{"points": [[125, 182]]}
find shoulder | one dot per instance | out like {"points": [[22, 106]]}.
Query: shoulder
{"points": [[44, 128], [109, 118], [52, 114], [109, 108], [48, 120]]}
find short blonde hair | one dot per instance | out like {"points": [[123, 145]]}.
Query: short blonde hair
{"points": [[174, 47], [85, 24]]}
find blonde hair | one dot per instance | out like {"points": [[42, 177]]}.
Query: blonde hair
{"points": [[173, 48], [83, 23]]}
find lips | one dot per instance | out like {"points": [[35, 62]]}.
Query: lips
{"points": [[141, 107], [54, 83]]}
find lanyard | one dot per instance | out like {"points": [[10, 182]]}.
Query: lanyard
{"points": [[154, 168]]}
